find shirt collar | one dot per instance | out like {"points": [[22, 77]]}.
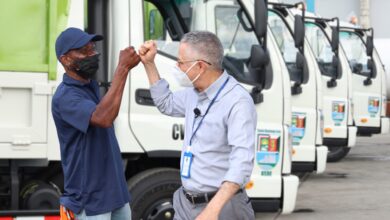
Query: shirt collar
{"points": [[212, 90], [70, 81]]}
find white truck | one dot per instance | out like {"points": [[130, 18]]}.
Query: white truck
{"points": [[31, 178], [369, 80], [306, 89], [331, 86], [339, 131]]}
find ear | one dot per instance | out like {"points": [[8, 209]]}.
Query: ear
{"points": [[64, 60], [203, 66]]}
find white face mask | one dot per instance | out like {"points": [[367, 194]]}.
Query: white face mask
{"points": [[182, 77]]}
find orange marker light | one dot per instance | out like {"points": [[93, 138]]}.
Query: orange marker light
{"points": [[364, 120], [328, 130], [249, 185]]}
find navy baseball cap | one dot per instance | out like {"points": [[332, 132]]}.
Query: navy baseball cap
{"points": [[73, 38]]}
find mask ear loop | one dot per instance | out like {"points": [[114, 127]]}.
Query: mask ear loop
{"points": [[197, 77]]}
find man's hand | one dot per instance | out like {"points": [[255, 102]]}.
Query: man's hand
{"points": [[207, 214], [214, 207], [128, 58], [147, 52]]}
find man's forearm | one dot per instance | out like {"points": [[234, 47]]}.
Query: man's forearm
{"points": [[224, 194], [108, 108], [152, 72]]}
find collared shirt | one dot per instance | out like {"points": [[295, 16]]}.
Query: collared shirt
{"points": [[90, 156], [223, 147]]}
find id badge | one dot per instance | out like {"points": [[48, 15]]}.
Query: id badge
{"points": [[186, 166]]}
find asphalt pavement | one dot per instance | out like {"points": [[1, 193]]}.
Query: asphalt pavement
{"points": [[356, 188]]}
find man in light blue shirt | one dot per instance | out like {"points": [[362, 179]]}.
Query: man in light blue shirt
{"points": [[220, 122]]}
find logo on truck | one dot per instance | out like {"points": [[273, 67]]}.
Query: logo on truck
{"points": [[373, 106], [338, 112], [298, 127], [267, 152]]}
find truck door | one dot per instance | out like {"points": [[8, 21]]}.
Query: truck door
{"points": [[155, 132], [304, 112], [273, 146], [366, 89], [237, 42], [335, 91]]}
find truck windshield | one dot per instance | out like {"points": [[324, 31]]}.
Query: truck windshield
{"points": [[321, 48], [355, 50], [285, 41], [236, 40]]}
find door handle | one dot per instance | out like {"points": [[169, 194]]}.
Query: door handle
{"points": [[143, 97]]}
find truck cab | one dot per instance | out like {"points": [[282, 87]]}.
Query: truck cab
{"points": [[150, 142], [305, 87], [339, 131], [369, 80]]}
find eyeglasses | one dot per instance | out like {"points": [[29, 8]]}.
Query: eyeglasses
{"points": [[88, 49], [179, 63]]}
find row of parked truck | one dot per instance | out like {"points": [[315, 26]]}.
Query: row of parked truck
{"points": [[317, 84]]}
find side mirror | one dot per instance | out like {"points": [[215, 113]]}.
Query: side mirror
{"points": [[261, 18], [302, 67], [299, 31], [338, 71], [260, 67], [370, 45], [259, 57], [302, 64], [337, 65], [260, 70], [335, 39], [371, 66]]}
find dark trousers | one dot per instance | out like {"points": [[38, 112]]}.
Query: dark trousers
{"points": [[238, 208]]}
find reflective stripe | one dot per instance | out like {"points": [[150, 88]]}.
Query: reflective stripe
{"points": [[32, 218]]}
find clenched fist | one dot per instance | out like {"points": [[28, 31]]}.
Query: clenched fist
{"points": [[148, 51], [128, 58]]}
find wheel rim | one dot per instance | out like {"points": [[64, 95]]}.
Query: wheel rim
{"points": [[160, 210]]}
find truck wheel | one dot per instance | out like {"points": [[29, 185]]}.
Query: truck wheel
{"points": [[38, 195], [151, 193], [335, 154]]}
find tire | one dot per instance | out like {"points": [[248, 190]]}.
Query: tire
{"points": [[337, 153], [152, 192], [38, 195]]}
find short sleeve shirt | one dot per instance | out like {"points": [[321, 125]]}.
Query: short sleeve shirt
{"points": [[91, 160]]}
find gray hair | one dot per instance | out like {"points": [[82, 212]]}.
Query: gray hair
{"points": [[207, 45]]}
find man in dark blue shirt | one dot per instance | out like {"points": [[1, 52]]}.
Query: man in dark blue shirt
{"points": [[95, 185]]}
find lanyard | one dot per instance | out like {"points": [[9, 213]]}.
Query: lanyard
{"points": [[207, 111]]}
